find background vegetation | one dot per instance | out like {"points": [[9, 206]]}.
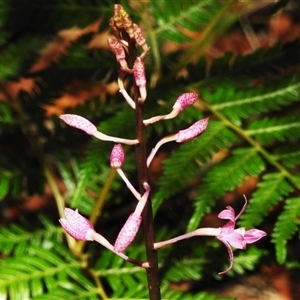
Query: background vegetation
{"points": [[241, 56]]}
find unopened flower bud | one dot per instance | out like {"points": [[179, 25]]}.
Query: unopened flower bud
{"points": [[128, 232], [192, 132], [117, 48], [79, 123], [185, 100], [85, 125], [117, 156], [140, 77], [77, 226], [139, 38]]}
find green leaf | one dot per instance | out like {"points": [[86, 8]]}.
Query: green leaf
{"points": [[287, 224]]}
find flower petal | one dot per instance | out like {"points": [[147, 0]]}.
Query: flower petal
{"points": [[253, 235], [227, 214], [235, 239], [243, 208], [230, 253]]}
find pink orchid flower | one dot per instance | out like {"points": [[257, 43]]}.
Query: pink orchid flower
{"points": [[237, 238]]}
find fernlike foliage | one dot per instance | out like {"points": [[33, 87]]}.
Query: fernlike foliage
{"points": [[253, 104]]}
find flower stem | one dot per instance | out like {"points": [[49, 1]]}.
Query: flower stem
{"points": [[158, 145], [104, 242], [142, 170], [198, 232]]}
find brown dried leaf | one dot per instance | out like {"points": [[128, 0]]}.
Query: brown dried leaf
{"points": [[59, 44]]}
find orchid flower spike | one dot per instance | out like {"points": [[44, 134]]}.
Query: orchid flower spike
{"points": [[140, 77], [181, 103], [181, 136], [132, 225], [88, 127]]}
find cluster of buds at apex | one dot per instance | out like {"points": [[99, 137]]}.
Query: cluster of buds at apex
{"points": [[140, 77], [181, 136], [88, 127], [183, 101], [122, 20], [132, 225], [118, 49]]}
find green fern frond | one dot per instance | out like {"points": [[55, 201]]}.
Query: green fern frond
{"points": [[186, 269], [270, 190], [173, 294], [223, 177], [181, 166], [237, 102], [29, 273], [287, 224], [173, 19], [6, 114], [246, 260], [121, 276], [268, 130], [16, 240], [289, 156], [261, 63]]}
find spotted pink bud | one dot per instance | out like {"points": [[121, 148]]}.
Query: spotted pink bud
{"points": [[192, 132], [79, 123], [139, 72], [117, 49], [117, 156], [138, 36], [76, 225], [185, 100], [140, 77], [128, 233]]}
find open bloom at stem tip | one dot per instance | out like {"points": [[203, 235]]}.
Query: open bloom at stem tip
{"points": [[76, 225], [237, 238]]}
